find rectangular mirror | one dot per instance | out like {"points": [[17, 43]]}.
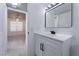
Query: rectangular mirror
{"points": [[60, 16]]}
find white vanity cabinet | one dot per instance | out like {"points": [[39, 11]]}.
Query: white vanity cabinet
{"points": [[45, 45]]}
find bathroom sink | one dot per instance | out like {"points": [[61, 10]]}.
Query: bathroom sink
{"points": [[57, 36]]}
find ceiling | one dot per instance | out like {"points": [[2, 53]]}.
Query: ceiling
{"points": [[22, 7]]}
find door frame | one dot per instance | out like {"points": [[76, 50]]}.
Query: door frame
{"points": [[26, 26]]}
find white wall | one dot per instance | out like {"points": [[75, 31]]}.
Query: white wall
{"points": [[75, 30], [3, 34], [36, 23]]}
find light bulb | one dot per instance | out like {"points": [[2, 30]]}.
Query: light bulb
{"points": [[60, 3], [53, 3], [46, 8], [50, 5], [14, 3]]}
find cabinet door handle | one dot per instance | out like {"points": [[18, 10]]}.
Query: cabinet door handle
{"points": [[42, 46]]}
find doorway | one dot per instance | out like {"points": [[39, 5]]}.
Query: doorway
{"points": [[16, 25]]}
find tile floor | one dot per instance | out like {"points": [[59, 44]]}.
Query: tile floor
{"points": [[16, 46]]}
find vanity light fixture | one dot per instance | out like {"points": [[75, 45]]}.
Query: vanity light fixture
{"points": [[51, 5], [55, 3]]}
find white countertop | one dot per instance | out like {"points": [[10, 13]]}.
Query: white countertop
{"points": [[57, 36]]}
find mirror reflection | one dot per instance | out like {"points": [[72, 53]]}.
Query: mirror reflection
{"points": [[59, 16]]}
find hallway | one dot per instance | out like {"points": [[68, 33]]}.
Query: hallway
{"points": [[16, 33], [16, 46]]}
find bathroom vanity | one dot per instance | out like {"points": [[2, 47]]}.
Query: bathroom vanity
{"points": [[47, 44]]}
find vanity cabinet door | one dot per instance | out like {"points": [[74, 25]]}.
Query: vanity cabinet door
{"points": [[38, 50], [51, 49], [46, 47]]}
